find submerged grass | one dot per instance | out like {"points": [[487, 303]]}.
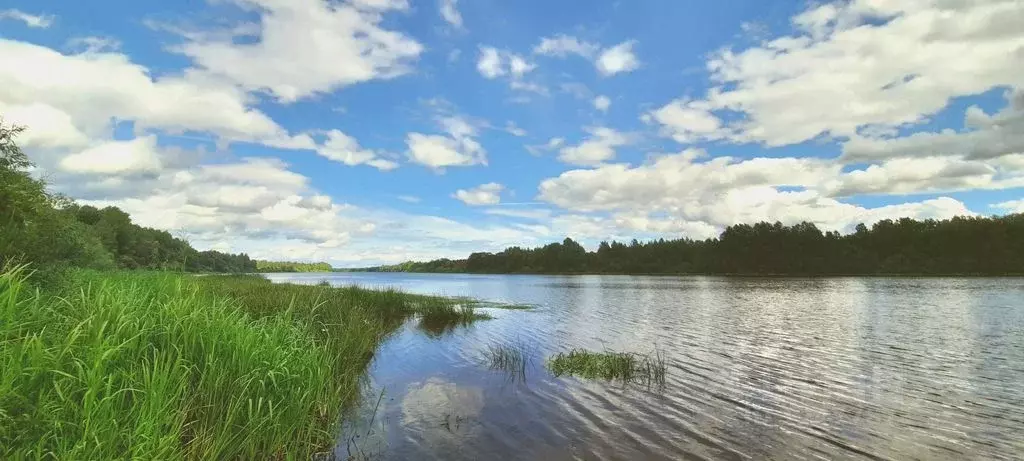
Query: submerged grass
{"points": [[612, 366], [162, 366], [512, 359]]}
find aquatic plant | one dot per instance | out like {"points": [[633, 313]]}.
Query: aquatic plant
{"points": [[512, 359], [626, 367], [439, 316]]}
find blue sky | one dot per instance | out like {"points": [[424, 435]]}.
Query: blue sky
{"points": [[377, 131]]}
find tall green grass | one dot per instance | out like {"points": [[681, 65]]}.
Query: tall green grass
{"points": [[158, 366], [625, 367]]}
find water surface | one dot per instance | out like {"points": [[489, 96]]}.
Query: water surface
{"points": [[780, 368]]}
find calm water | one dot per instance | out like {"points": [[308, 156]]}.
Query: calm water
{"points": [[846, 368]]}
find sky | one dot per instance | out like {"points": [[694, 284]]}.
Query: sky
{"points": [[364, 132]]}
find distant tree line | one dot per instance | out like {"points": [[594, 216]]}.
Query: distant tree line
{"points": [[51, 232], [285, 266], [961, 245]]}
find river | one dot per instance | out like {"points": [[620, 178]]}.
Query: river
{"points": [[758, 368]]}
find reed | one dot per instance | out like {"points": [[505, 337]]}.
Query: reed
{"points": [[513, 359], [625, 367]]}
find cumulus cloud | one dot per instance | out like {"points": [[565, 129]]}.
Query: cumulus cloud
{"points": [[30, 20], [859, 64], [116, 157], [305, 47], [602, 103], [343, 148], [437, 151], [242, 202], [458, 147], [494, 63], [490, 63], [689, 190], [35, 92], [923, 175], [1012, 206], [985, 137], [32, 82], [597, 148], [617, 59], [484, 194], [687, 121]]}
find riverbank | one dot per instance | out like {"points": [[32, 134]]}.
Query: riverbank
{"points": [[149, 365]]}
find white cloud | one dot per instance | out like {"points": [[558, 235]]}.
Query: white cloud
{"points": [[494, 63], [602, 103], [437, 151], [458, 147], [484, 194], [490, 63], [530, 213], [116, 157], [551, 145], [47, 84], [343, 148], [519, 66], [680, 191], [450, 13], [926, 174], [410, 198], [381, 5], [863, 64], [30, 20], [617, 59], [513, 129], [609, 61], [564, 45], [93, 44], [986, 137], [1012, 206], [242, 205], [305, 47], [597, 148], [687, 121]]}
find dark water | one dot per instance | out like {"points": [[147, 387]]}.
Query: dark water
{"points": [[845, 368]]}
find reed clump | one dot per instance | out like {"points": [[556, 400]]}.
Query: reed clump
{"points": [[626, 367]]}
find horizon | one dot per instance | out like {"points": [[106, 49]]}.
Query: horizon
{"points": [[376, 132]]}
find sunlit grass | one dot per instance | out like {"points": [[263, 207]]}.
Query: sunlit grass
{"points": [[611, 366], [162, 366]]}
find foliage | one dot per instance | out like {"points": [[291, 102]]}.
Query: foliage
{"points": [[284, 266], [961, 245], [611, 366], [150, 365], [53, 233]]}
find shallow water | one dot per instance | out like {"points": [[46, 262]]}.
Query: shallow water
{"points": [[780, 368]]}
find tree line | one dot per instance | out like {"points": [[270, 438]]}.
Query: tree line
{"points": [[961, 245], [51, 232], [287, 266]]}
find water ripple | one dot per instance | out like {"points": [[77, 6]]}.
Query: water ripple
{"points": [[805, 369]]}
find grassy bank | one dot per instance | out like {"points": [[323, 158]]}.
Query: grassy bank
{"points": [[160, 366]]}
